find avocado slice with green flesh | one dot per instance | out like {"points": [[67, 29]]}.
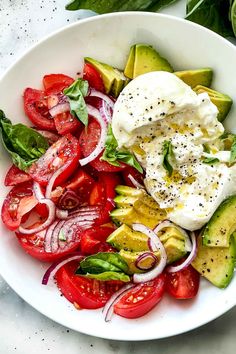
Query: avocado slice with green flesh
{"points": [[221, 225], [126, 238], [216, 263], [130, 216], [196, 77], [113, 79], [128, 191], [222, 101], [131, 257], [171, 232], [129, 68], [124, 201], [144, 59]]}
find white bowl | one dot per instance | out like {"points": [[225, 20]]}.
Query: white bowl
{"points": [[108, 38]]}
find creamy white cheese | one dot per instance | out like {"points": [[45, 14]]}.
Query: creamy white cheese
{"points": [[158, 107]]}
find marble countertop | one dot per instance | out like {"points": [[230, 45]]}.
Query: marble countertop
{"points": [[23, 330]]}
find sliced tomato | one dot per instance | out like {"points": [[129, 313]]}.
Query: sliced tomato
{"points": [[183, 284], [141, 299], [134, 173], [55, 83], [94, 240], [88, 142], [66, 123], [34, 245], [103, 193], [19, 201], [93, 77], [81, 291], [64, 152], [42, 210], [15, 176], [36, 109]]}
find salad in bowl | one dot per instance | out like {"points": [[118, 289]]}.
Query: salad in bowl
{"points": [[125, 182]]}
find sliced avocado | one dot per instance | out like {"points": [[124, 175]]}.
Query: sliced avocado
{"points": [[216, 263], [171, 232], [126, 238], [221, 225], [175, 249], [131, 258], [130, 216], [144, 59], [196, 77], [113, 79], [146, 211], [124, 201], [129, 68], [128, 191], [222, 101]]}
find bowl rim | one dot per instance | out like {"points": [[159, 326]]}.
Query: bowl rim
{"points": [[20, 58]]}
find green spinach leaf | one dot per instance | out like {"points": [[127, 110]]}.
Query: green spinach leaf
{"points": [[25, 145], [103, 262], [113, 156], [109, 276], [168, 155], [104, 6], [212, 14], [76, 93]]}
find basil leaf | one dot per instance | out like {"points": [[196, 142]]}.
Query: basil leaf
{"points": [[104, 6], [76, 93], [109, 276], [102, 262], [212, 14], [233, 151], [113, 156], [167, 156], [211, 160], [24, 144]]}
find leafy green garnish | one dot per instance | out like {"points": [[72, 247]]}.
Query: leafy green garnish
{"points": [[167, 156], [103, 262], [212, 14], [25, 145], [104, 6], [233, 151], [76, 93], [210, 160], [109, 276], [113, 156]]}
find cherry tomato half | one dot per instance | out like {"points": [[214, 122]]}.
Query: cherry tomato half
{"points": [[93, 77], [15, 176], [141, 299]]}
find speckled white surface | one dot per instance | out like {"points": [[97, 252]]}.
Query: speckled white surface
{"points": [[22, 329]]}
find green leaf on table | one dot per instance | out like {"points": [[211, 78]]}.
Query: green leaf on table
{"points": [[24, 144], [104, 6], [212, 14], [76, 93], [113, 156], [109, 276]]}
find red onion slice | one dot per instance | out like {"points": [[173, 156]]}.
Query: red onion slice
{"points": [[38, 191], [59, 108], [188, 260], [156, 246], [109, 307], [101, 95], [101, 143], [167, 223], [47, 222], [144, 257], [135, 182], [61, 214], [52, 180], [48, 237], [55, 236], [51, 271], [69, 200]]}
